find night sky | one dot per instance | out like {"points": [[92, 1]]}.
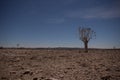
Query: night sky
{"points": [[55, 23]]}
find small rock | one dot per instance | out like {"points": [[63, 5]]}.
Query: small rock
{"points": [[61, 76], [13, 72], [17, 59], [42, 77], [52, 79], [108, 69], [28, 72], [106, 78], [35, 78], [4, 78]]}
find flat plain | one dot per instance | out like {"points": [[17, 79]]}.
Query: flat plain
{"points": [[59, 64]]}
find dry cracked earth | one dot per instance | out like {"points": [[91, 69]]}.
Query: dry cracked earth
{"points": [[35, 64]]}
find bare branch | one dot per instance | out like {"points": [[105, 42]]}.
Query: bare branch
{"points": [[85, 34]]}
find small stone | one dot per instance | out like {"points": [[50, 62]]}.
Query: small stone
{"points": [[26, 72], [42, 77], [35, 78], [17, 59], [52, 79], [4, 78], [106, 78], [61, 76], [13, 72]]}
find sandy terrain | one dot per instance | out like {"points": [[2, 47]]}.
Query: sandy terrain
{"points": [[23, 64]]}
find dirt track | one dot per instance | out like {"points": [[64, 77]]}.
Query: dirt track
{"points": [[21, 64]]}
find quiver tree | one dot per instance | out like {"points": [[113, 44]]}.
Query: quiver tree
{"points": [[85, 35]]}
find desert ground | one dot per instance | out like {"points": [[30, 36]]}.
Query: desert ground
{"points": [[59, 64]]}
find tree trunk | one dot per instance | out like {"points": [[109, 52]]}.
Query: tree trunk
{"points": [[86, 46]]}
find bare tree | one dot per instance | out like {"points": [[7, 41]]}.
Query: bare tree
{"points": [[85, 35]]}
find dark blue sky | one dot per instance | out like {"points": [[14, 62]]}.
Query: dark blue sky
{"points": [[54, 23]]}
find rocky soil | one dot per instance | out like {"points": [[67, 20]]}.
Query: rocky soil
{"points": [[28, 64]]}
